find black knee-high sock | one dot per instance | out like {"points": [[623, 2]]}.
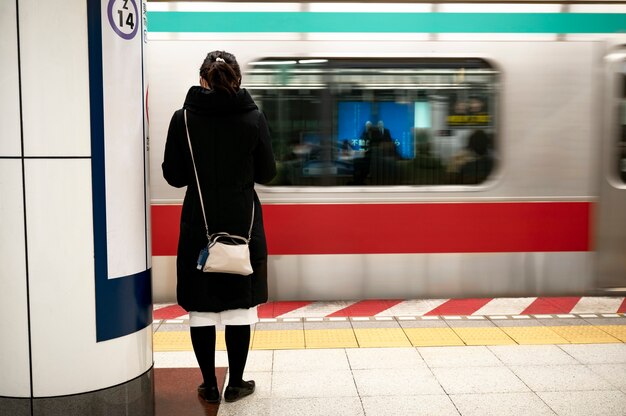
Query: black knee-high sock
{"points": [[203, 341], [237, 343]]}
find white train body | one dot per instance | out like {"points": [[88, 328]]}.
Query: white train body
{"points": [[548, 219]]}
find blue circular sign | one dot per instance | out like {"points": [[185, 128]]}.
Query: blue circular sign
{"points": [[123, 17]]}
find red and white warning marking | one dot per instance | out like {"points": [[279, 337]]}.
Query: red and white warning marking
{"points": [[425, 307]]}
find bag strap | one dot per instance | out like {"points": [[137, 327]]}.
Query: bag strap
{"points": [[195, 171]]}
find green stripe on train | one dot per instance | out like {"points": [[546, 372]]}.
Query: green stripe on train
{"points": [[386, 22]]}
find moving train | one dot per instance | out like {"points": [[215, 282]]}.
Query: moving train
{"points": [[423, 149]]}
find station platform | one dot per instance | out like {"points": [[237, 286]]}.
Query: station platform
{"points": [[521, 356]]}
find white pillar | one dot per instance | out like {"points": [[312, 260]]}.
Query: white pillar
{"points": [[74, 225]]}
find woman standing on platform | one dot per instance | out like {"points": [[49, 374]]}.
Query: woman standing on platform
{"points": [[232, 150]]}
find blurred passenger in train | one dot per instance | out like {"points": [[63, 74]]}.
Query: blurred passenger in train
{"points": [[385, 136], [366, 136], [379, 147], [426, 168], [372, 136], [232, 149], [474, 163]]}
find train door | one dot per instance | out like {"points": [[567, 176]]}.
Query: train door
{"points": [[610, 241]]}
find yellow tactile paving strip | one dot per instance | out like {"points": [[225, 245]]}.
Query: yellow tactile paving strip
{"points": [[172, 341], [534, 335], [330, 338], [181, 341], [381, 337], [579, 334], [432, 337], [483, 336], [617, 331], [406, 337], [278, 340]]}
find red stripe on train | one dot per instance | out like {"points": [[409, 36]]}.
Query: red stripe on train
{"points": [[408, 228], [165, 229]]}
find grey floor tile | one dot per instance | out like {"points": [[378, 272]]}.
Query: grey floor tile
{"points": [[501, 404], [515, 322], [259, 360], [369, 358], [221, 358], [276, 326], [344, 406], [531, 355], [262, 380], [248, 406], [470, 323], [470, 356], [562, 321], [396, 382], [606, 321], [175, 359], [596, 353], [314, 359], [425, 405], [327, 325], [586, 403], [315, 383], [375, 324], [465, 380], [561, 378], [613, 373], [420, 323]]}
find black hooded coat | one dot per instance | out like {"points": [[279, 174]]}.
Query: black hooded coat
{"points": [[232, 149]]}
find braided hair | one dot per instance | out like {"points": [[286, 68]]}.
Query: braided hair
{"points": [[221, 72]]}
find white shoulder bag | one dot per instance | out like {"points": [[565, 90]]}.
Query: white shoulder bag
{"points": [[224, 253]]}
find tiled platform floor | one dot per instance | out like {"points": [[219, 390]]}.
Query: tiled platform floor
{"points": [[581, 379], [572, 364]]}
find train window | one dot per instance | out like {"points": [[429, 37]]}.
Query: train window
{"points": [[337, 122]]}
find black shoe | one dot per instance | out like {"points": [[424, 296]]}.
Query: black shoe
{"points": [[209, 394], [232, 393]]}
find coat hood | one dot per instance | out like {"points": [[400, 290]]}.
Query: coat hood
{"points": [[201, 100]]}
